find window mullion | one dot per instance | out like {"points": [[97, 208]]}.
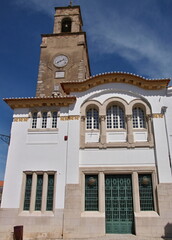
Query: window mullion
{"points": [[44, 192], [92, 118], [138, 118], [33, 192], [112, 117], [118, 117]]}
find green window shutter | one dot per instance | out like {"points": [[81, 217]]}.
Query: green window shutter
{"points": [[146, 192], [50, 193], [91, 193], [28, 192], [38, 201]]}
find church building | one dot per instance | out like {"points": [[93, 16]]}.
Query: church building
{"points": [[89, 156]]}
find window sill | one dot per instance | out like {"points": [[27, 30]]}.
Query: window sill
{"points": [[118, 145], [146, 214], [35, 130], [37, 213]]}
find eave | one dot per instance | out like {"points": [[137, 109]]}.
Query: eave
{"points": [[115, 77], [40, 102]]}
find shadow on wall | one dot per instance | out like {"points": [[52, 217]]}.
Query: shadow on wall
{"points": [[168, 232]]}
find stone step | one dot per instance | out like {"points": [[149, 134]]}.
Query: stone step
{"points": [[107, 237]]}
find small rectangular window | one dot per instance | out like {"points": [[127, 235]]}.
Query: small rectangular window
{"points": [[60, 74], [91, 193], [146, 192], [34, 120], [44, 120], [54, 120], [28, 189]]}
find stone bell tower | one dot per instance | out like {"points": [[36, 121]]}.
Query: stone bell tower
{"points": [[64, 55]]}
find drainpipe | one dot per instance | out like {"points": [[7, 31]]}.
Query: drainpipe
{"points": [[163, 111], [65, 139]]}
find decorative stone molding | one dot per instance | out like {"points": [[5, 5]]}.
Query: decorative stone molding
{"points": [[82, 118], [20, 119], [157, 115], [66, 118], [115, 77]]}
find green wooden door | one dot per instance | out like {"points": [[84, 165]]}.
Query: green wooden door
{"points": [[119, 204]]}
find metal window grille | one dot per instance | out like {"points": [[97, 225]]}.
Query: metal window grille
{"points": [[146, 192], [44, 120], [115, 117], [28, 189], [91, 193], [34, 120], [38, 201], [138, 118], [54, 120], [92, 119], [50, 192]]}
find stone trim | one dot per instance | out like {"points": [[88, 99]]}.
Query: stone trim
{"points": [[67, 118], [32, 210], [157, 115], [129, 130], [115, 77], [134, 171], [20, 119]]}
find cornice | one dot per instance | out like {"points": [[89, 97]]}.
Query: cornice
{"points": [[115, 77], [40, 102], [62, 34]]}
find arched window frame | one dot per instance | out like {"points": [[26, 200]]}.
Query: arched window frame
{"points": [[92, 118], [139, 118], [115, 117], [66, 25], [115, 137]]}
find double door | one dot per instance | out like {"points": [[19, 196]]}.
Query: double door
{"points": [[119, 204]]}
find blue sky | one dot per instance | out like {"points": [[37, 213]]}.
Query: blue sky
{"points": [[130, 36]]}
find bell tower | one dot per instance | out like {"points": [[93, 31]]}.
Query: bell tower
{"points": [[64, 55]]}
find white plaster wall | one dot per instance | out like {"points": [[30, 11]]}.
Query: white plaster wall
{"points": [[161, 147], [117, 157], [35, 155], [73, 152], [127, 92]]}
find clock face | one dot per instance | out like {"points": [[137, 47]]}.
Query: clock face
{"points": [[60, 61]]}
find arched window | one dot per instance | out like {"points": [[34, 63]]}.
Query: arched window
{"points": [[44, 120], [138, 118], [66, 25], [92, 121], [54, 120], [34, 120], [115, 117]]}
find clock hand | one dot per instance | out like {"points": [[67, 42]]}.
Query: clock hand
{"points": [[60, 61]]}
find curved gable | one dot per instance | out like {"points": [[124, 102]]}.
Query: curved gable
{"points": [[115, 77]]}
